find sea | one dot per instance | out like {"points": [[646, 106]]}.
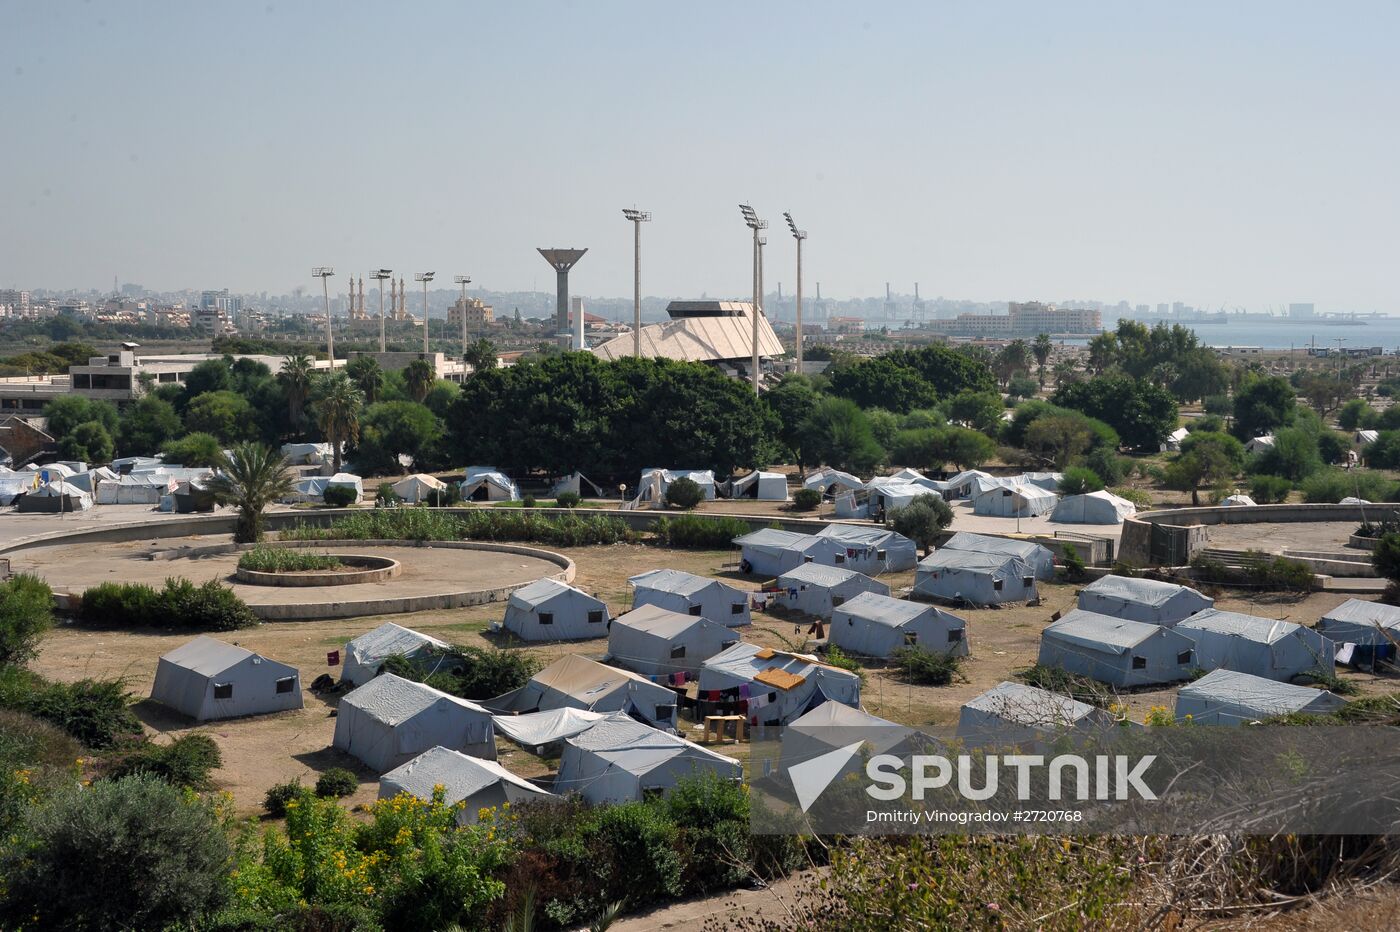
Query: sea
{"points": [[1283, 334]]}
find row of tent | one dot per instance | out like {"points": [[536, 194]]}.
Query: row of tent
{"points": [[65, 487]]}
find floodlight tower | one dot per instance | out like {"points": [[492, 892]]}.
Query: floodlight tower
{"points": [[753, 223], [798, 235], [638, 217], [464, 281], [562, 260], [379, 276], [324, 272], [424, 277]]}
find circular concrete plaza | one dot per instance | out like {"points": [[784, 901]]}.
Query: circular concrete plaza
{"points": [[432, 577]]}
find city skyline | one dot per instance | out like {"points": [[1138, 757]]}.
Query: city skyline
{"points": [[1235, 155]]}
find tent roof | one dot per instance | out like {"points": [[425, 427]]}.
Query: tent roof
{"points": [[208, 656], [856, 535], [538, 728], [542, 590], [1252, 627], [698, 339], [1025, 490], [658, 621], [1361, 612], [1256, 691], [771, 538], [637, 748], [678, 582], [884, 610], [460, 775], [970, 560], [392, 699], [839, 715], [418, 479], [752, 662], [1141, 591], [986, 543], [1238, 500], [389, 639], [816, 574], [582, 678], [827, 474], [1030, 705], [1100, 632]]}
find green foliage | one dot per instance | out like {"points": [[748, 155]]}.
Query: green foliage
{"points": [[336, 403], [684, 493], [279, 794], [1142, 413], [391, 429], [1263, 570], [967, 448], [263, 559], [1206, 459], [36, 759], [134, 853], [251, 477], [1386, 557], [94, 712], [1333, 447], [1079, 480], [184, 762], [884, 425], [881, 383], [806, 500], [1058, 439], [1028, 412], [147, 426], [336, 782], [1293, 456], [1107, 465], [1141, 500], [1075, 571], [385, 495], [792, 401], [838, 434], [1057, 680], [1333, 485], [839, 658], [26, 612], [470, 672], [980, 410], [496, 524], [1262, 406], [1221, 405], [1213, 423], [179, 604], [924, 449], [947, 370], [226, 415], [567, 500], [1384, 452], [694, 532], [339, 496], [926, 668], [922, 520], [1269, 490], [528, 501], [1356, 414], [197, 449], [66, 412], [89, 442], [1022, 386]]}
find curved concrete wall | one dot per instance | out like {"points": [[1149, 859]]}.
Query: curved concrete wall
{"points": [[1174, 536]]}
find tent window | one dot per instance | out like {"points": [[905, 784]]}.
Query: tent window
{"points": [[286, 684], [1139, 663], [725, 645], [695, 610], [840, 558], [1183, 657], [996, 585], [911, 638], [837, 600], [223, 690], [678, 652], [546, 618], [807, 559], [664, 713], [737, 608], [880, 554], [595, 617], [955, 635], [1027, 582]]}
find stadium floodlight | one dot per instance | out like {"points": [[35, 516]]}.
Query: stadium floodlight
{"points": [[798, 235], [379, 276], [324, 272], [424, 277], [638, 217]]}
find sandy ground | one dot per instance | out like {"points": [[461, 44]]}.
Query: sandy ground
{"points": [[1275, 538]]}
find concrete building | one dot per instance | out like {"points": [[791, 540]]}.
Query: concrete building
{"points": [[453, 370], [477, 312], [1024, 319]]}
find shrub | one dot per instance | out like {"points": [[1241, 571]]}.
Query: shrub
{"points": [[180, 604], [684, 493], [567, 500], [36, 758], [337, 782], [95, 712], [212, 607], [922, 520], [640, 861], [285, 560], [1333, 485], [118, 605], [276, 799], [528, 502], [134, 853], [184, 762], [385, 496], [1218, 404], [806, 500], [1269, 490], [1279, 573], [339, 496], [693, 532], [470, 672], [26, 612], [1107, 465], [1386, 557], [1056, 680], [1079, 480], [926, 668], [449, 497], [712, 817], [839, 658], [1074, 564], [1141, 500]]}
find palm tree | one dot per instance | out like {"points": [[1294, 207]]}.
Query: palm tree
{"points": [[418, 377], [337, 402], [480, 355], [366, 373], [1041, 350], [296, 376], [251, 476]]}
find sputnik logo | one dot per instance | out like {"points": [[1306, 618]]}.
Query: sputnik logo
{"points": [[811, 777]]}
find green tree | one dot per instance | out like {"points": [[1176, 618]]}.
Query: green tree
{"points": [[1140, 412], [925, 449], [481, 355], [922, 520], [1014, 357], [367, 375], [1079, 480], [66, 412], [392, 429], [197, 449], [1041, 350], [147, 425], [792, 401], [298, 373], [1294, 455], [1206, 460], [882, 383], [418, 377], [337, 403], [252, 476], [966, 448], [212, 375], [1261, 406], [883, 426], [226, 415], [979, 410], [89, 442], [1103, 353], [1386, 558], [1057, 439], [26, 612], [1021, 386], [838, 434], [948, 370], [1356, 414]]}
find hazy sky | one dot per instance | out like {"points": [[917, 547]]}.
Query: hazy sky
{"points": [[1237, 153]]}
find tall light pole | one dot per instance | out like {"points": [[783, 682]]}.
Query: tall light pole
{"points": [[798, 235], [464, 281], [424, 277], [638, 217], [379, 276], [323, 273], [753, 223]]}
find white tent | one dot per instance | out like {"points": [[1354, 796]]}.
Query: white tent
{"points": [[548, 610], [1358, 622], [1093, 508], [961, 485], [833, 725], [1014, 713], [365, 655], [87, 481], [826, 479], [1367, 436], [1173, 442], [1116, 651], [488, 484], [576, 482], [14, 485], [126, 464], [877, 626], [1149, 600], [1049, 481], [693, 595], [817, 590], [477, 784], [764, 486], [984, 482], [1227, 697], [621, 760], [144, 488], [879, 496], [312, 489], [54, 497], [778, 685], [1015, 501], [769, 552], [1276, 650], [576, 682], [419, 488], [655, 641], [1353, 500], [1037, 556], [1259, 444], [208, 679], [308, 454], [541, 733], [391, 720], [655, 482], [976, 578], [871, 550], [1237, 499]]}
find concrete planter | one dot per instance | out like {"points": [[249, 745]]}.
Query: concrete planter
{"points": [[359, 569], [1363, 543]]}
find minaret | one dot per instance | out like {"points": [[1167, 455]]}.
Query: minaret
{"points": [[363, 315], [402, 313]]}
